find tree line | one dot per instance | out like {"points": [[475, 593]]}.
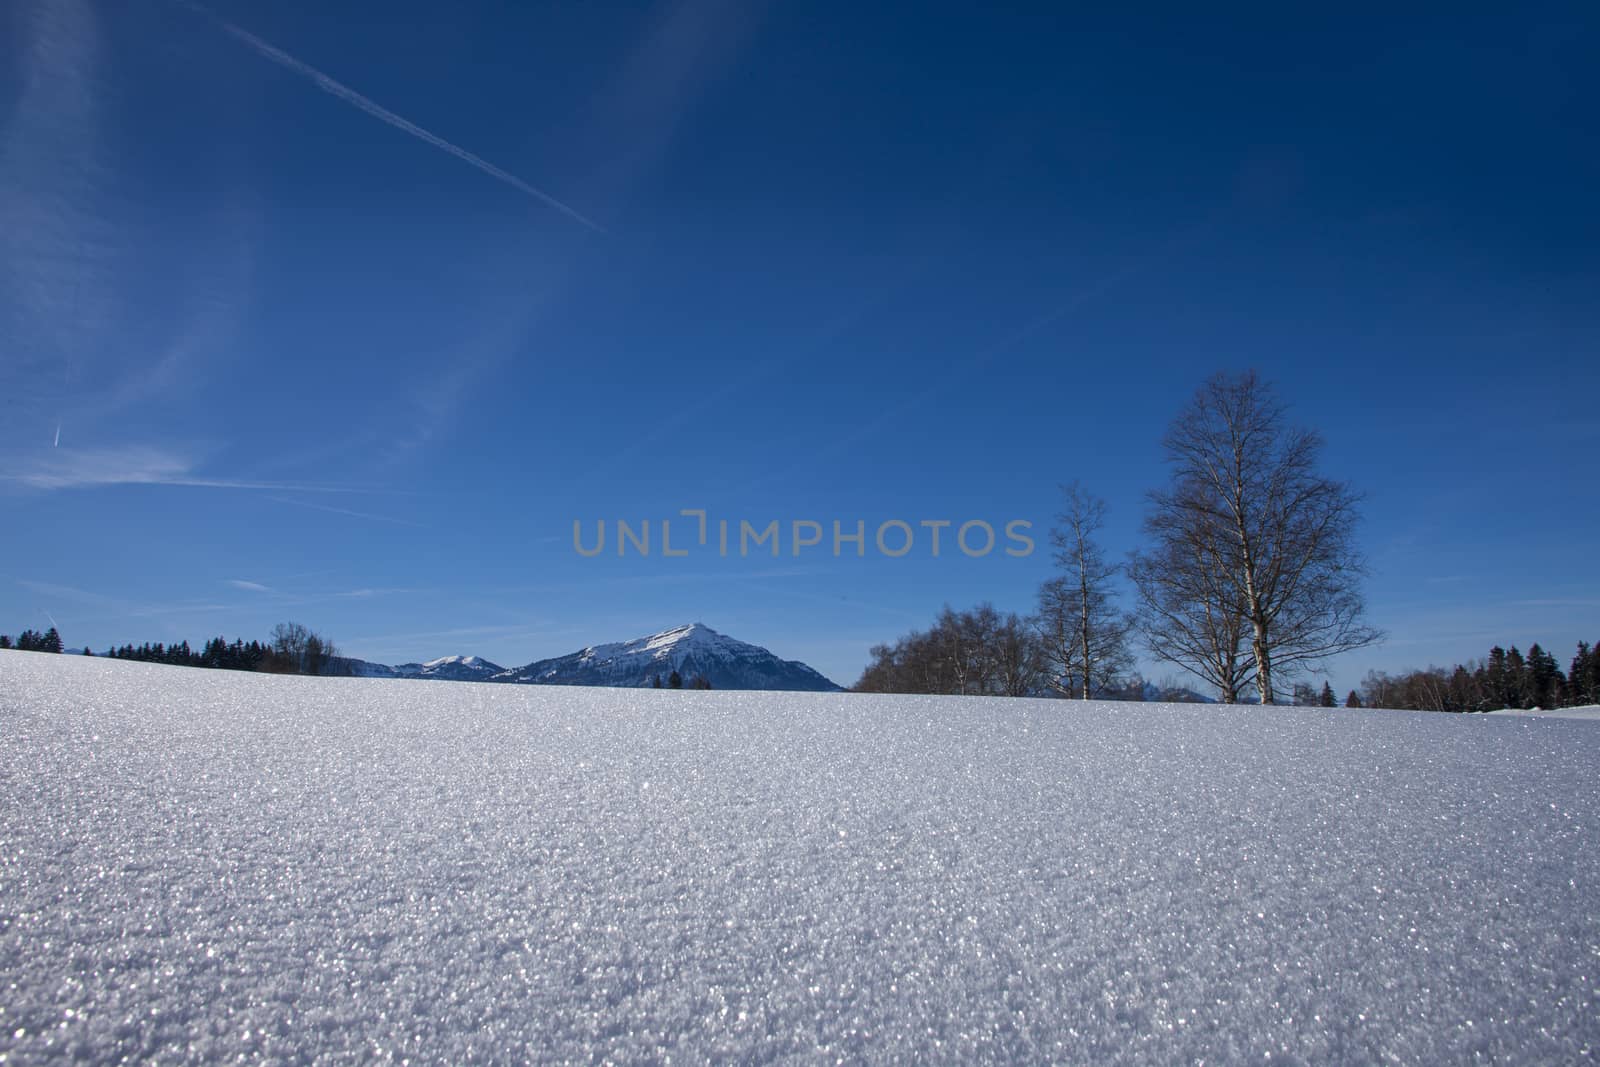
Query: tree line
{"points": [[30, 641], [290, 649], [675, 681], [1249, 576], [1504, 679]]}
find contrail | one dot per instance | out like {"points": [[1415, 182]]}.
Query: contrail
{"points": [[58, 435], [350, 96]]}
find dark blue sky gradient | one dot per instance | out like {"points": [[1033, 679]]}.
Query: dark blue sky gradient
{"points": [[858, 261]]}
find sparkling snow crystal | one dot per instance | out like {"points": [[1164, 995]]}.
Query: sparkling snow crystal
{"points": [[202, 865]]}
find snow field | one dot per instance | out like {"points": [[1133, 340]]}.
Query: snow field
{"points": [[207, 866]]}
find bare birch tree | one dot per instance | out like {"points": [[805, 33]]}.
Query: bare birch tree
{"points": [[1189, 609], [1084, 635], [1249, 520]]}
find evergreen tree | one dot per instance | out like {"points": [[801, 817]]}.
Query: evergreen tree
{"points": [[1516, 680], [1352, 701], [1497, 680], [51, 642], [1545, 681], [674, 680], [1327, 699], [1583, 680], [5, 641]]}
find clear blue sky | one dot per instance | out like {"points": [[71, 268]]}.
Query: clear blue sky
{"points": [[792, 261]]}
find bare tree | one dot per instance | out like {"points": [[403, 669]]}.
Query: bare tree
{"points": [[965, 638], [1084, 635], [1249, 511], [297, 650], [1019, 662], [1189, 609], [980, 652]]}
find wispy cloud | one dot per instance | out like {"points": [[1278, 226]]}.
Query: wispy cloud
{"points": [[58, 253], [68, 468], [634, 118], [91, 468], [84, 338], [383, 114], [115, 606], [346, 511], [289, 597]]}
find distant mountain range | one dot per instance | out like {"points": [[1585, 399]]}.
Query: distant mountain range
{"points": [[1155, 694], [444, 669], [694, 651]]}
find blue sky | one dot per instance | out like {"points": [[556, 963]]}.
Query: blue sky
{"points": [[265, 354]]}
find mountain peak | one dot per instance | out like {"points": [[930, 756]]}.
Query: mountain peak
{"points": [[451, 661], [693, 650], [694, 633]]}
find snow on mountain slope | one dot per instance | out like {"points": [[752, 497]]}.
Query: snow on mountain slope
{"points": [[692, 650], [446, 668], [455, 669], [203, 866]]}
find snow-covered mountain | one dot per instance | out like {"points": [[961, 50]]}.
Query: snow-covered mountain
{"points": [[443, 669], [693, 651]]}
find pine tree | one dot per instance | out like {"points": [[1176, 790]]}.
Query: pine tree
{"points": [[1545, 681], [1326, 698], [5, 641], [1497, 680], [674, 680], [51, 642], [1352, 701], [1463, 690], [1516, 680], [1583, 680]]}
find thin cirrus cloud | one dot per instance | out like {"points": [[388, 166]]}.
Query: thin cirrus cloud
{"points": [[68, 251], [77, 468], [92, 468], [314, 597], [350, 96], [99, 604], [347, 511]]}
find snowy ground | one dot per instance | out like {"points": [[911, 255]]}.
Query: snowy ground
{"points": [[1585, 711], [202, 865]]}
